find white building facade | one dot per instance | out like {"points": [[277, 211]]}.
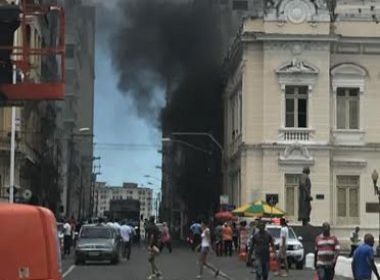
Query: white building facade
{"points": [[303, 90], [104, 194]]}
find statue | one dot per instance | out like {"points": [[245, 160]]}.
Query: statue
{"points": [[304, 201]]}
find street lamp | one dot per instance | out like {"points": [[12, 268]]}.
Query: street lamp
{"points": [[152, 177], [170, 140], [375, 177], [204, 134]]}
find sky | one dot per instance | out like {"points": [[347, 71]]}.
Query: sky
{"points": [[128, 146]]}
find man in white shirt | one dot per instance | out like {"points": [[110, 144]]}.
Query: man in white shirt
{"points": [[67, 237], [126, 233], [284, 236]]}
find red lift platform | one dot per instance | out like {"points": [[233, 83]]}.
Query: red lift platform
{"points": [[18, 57]]}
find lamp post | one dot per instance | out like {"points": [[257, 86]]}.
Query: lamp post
{"points": [[170, 140], [202, 134], [375, 177]]}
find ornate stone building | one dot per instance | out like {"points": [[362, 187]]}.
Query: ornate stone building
{"points": [[302, 90]]}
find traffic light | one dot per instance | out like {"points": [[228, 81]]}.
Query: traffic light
{"points": [[9, 22]]}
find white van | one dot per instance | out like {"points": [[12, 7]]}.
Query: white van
{"points": [[295, 251]]}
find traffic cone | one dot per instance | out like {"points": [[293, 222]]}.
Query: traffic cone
{"points": [[274, 263]]}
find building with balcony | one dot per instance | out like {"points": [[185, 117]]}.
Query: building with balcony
{"points": [[37, 152], [302, 90]]}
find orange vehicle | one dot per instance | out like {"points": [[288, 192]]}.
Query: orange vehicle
{"points": [[29, 248]]}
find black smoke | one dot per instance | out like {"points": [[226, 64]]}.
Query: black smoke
{"points": [[159, 44], [174, 48]]}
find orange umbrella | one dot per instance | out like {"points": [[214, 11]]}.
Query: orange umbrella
{"points": [[225, 216]]}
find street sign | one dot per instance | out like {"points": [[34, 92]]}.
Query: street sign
{"points": [[271, 198], [224, 199], [372, 207]]}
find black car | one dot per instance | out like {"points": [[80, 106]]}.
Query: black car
{"points": [[98, 243]]}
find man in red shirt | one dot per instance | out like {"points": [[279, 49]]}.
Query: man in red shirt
{"points": [[227, 239], [326, 253]]}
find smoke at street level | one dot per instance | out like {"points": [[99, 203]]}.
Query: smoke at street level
{"points": [[157, 41]]}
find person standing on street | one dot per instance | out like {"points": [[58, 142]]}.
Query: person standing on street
{"points": [[153, 235], [205, 249], [235, 236], [219, 247], [227, 239], [262, 241], [126, 233], [326, 253], [196, 231], [165, 238], [363, 262], [67, 237], [355, 240], [284, 236]]}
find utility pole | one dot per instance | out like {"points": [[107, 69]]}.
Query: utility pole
{"points": [[70, 175]]}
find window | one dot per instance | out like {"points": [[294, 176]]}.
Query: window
{"points": [[70, 50], [296, 106], [236, 108], [348, 199], [240, 5], [347, 108], [291, 194]]}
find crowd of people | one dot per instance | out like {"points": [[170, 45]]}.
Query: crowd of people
{"points": [[253, 243], [257, 247]]}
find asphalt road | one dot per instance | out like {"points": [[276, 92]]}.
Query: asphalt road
{"points": [[180, 265]]}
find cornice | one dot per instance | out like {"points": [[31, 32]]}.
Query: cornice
{"points": [[369, 147], [249, 36]]}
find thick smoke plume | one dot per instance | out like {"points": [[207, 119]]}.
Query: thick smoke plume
{"points": [[173, 48], [160, 46]]}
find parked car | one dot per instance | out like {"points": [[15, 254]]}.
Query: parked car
{"points": [[295, 251], [98, 243]]}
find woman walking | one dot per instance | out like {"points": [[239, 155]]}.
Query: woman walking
{"points": [[205, 249], [165, 238]]}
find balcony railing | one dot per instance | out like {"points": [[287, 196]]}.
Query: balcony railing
{"points": [[296, 134]]}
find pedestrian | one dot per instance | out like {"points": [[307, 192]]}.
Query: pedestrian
{"points": [[126, 233], [205, 247], [284, 237], [326, 253], [235, 237], [243, 241], [67, 237], [355, 240], [227, 239], [165, 238], [251, 255], [196, 231], [363, 262], [262, 242], [153, 235], [219, 246]]}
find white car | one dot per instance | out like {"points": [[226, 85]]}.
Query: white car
{"points": [[295, 251]]}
